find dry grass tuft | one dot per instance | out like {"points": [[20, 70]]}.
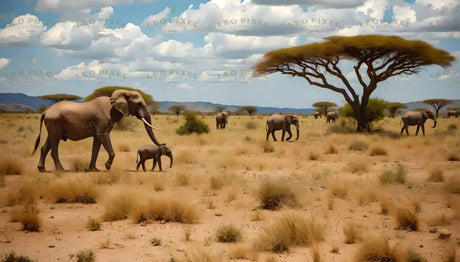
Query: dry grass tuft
{"points": [[378, 151], [453, 186], [12, 257], [268, 147], [274, 195], [9, 166], [352, 232], [436, 175], [314, 251], [182, 179], [79, 164], [332, 149], [313, 156], [229, 234], [412, 256], [28, 217], [24, 193], [339, 188], [72, 191], [86, 255], [393, 177], [357, 166], [119, 207], [358, 145], [406, 217], [288, 230], [166, 208], [376, 248], [366, 196], [93, 225], [242, 252], [453, 156]]}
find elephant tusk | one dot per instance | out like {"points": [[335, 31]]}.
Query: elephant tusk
{"points": [[147, 123]]}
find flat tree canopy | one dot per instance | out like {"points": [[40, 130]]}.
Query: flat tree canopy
{"points": [[250, 109], [437, 103], [177, 109], [60, 97], [324, 106], [108, 90], [376, 58], [393, 107]]}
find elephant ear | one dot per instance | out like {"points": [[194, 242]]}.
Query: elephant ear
{"points": [[119, 100], [425, 114], [163, 150]]}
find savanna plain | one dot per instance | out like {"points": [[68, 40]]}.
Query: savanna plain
{"points": [[332, 195]]}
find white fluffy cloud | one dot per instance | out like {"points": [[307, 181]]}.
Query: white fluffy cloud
{"points": [[4, 62], [72, 5], [23, 30]]}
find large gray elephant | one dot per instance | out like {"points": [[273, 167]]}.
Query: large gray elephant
{"points": [[452, 113], [417, 118], [332, 116], [221, 120], [283, 122], [75, 121], [153, 152]]}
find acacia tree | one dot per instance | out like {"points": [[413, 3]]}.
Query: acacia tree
{"points": [[394, 107], [60, 97], [437, 104], [220, 108], [324, 106], [376, 58], [177, 109], [250, 109]]}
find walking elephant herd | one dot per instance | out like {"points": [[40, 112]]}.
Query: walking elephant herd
{"points": [[96, 118]]}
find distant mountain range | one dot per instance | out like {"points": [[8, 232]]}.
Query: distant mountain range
{"points": [[19, 102], [13, 102]]}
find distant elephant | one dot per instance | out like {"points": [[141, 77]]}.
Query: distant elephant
{"points": [[75, 121], [153, 152], [417, 118], [221, 120], [316, 115], [284, 122], [452, 113], [332, 116]]}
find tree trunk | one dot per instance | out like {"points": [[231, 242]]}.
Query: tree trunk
{"points": [[360, 113]]}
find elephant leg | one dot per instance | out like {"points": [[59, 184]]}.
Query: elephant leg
{"points": [[402, 130], [108, 147], [273, 135], [55, 155], [143, 165], [418, 128], [423, 129], [159, 163], [283, 134], [268, 134], [289, 133], [154, 163], [138, 165], [94, 154], [44, 152]]}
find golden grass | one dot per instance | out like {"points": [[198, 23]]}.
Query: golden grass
{"points": [[275, 194], [377, 248], [229, 234], [436, 175], [352, 232], [26, 192], [453, 185], [28, 216], [288, 230], [378, 151], [119, 206], [242, 252], [339, 188], [165, 208], [69, 190], [406, 217], [10, 166]]}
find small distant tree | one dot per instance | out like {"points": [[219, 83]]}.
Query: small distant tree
{"points": [[192, 125], [437, 104], [394, 107], [108, 90], [250, 109], [323, 107], [177, 109], [42, 108], [60, 97], [155, 108], [240, 112], [220, 108]]}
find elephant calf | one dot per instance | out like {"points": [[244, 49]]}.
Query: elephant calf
{"points": [[153, 152], [332, 116]]}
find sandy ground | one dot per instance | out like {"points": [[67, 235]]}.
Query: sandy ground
{"points": [[333, 188]]}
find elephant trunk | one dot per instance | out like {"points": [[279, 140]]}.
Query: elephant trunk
{"points": [[145, 117], [298, 130], [170, 159], [434, 125]]}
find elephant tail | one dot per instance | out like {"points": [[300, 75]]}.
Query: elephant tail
{"points": [[37, 142], [400, 121]]}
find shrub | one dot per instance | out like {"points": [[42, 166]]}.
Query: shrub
{"points": [[228, 234], [28, 217], [155, 241], [12, 257], [119, 207], [352, 232], [339, 189], [390, 177], [436, 175], [358, 166], [10, 167], [452, 128], [24, 193], [72, 191], [378, 151], [274, 195], [375, 109], [79, 165], [406, 218], [192, 125], [412, 256], [358, 145], [93, 225], [268, 147], [168, 209], [332, 149], [86, 255], [251, 125], [377, 249], [290, 229]]}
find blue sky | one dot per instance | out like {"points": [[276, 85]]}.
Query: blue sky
{"points": [[204, 50]]}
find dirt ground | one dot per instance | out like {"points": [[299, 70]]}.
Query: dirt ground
{"points": [[335, 177]]}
